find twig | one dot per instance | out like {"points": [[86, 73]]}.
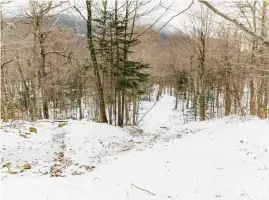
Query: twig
{"points": [[80, 13], [5, 63], [177, 15], [143, 190], [127, 194], [264, 166], [248, 196], [156, 21]]}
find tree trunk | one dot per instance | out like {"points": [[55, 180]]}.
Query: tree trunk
{"points": [[120, 123], [134, 111], [202, 103], [252, 98], [99, 87], [228, 101]]}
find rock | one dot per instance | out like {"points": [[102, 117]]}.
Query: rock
{"points": [[11, 171], [6, 165], [32, 130], [56, 174], [61, 159], [87, 167], [55, 170], [77, 173], [27, 166], [59, 171], [24, 136], [164, 127]]}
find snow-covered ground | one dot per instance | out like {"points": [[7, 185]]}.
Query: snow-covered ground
{"points": [[162, 158]]}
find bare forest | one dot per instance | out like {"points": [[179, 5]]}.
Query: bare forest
{"points": [[102, 60]]}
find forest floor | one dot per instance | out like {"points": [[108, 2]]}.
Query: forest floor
{"points": [[162, 158]]}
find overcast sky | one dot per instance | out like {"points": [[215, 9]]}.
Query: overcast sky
{"points": [[18, 5]]}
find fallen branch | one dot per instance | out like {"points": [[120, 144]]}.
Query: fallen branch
{"points": [[148, 111], [143, 190]]}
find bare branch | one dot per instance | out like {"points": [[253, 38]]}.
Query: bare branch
{"points": [[177, 14], [157, 20], [5, 63], [235, 22], [80, 13]]}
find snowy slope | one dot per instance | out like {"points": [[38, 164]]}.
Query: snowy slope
{"points": [[223, 161], [220, 159]]}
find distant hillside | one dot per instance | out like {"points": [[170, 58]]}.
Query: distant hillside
{"points": [[71, 22], [78, 26]]}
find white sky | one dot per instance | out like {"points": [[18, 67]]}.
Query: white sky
{"points": [[18, 5]]}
